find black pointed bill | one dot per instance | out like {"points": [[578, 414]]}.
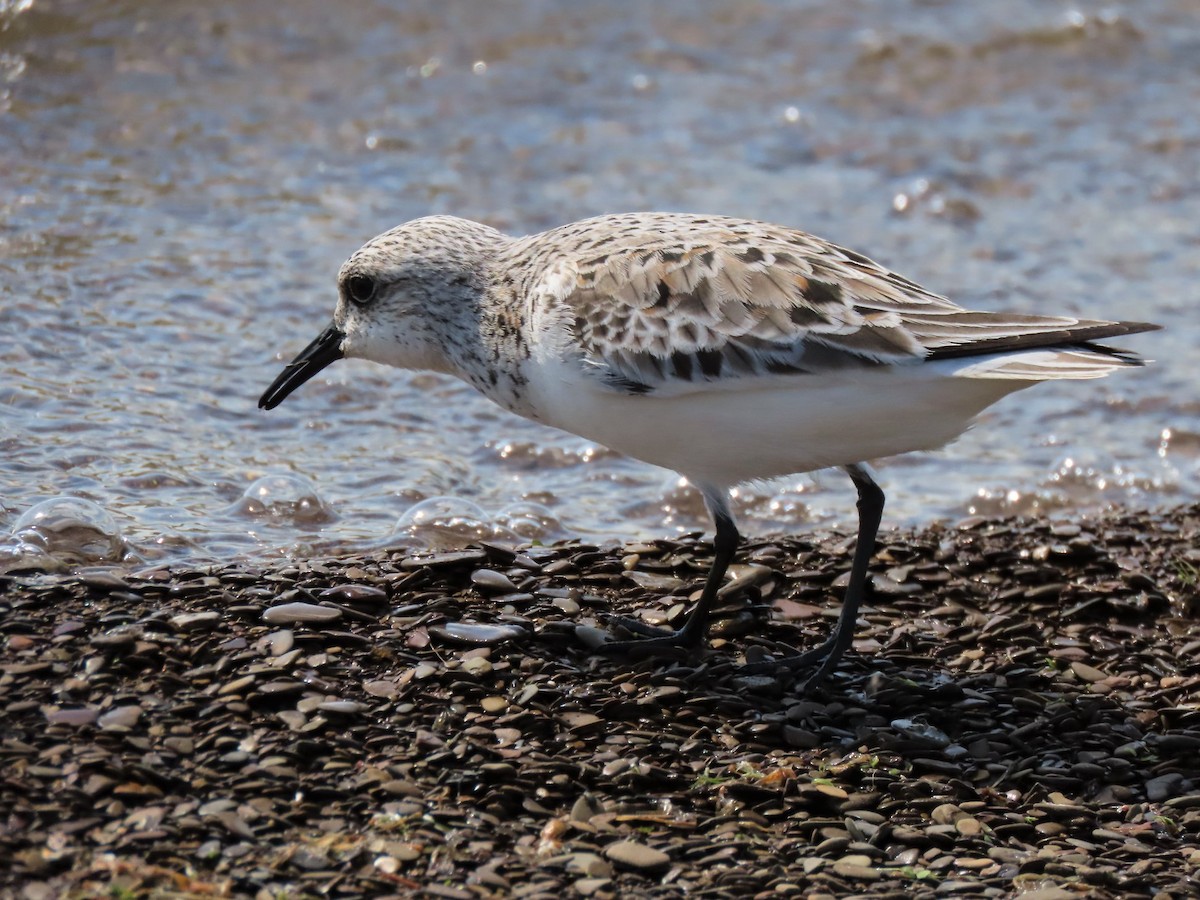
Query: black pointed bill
{"points": [[327, 348]]}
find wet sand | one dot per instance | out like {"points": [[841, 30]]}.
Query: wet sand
{"points": [[1021, 714]]}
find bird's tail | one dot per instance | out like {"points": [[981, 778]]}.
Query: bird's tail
{"points": [[1044, 350]]}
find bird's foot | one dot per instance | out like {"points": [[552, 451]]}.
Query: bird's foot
{"points": [[822, 660], [650, 641]]}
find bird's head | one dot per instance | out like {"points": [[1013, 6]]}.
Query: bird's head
{"points": [[402, 299]]}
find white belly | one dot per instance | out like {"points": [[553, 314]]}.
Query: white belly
{"points": [[760, 428]]}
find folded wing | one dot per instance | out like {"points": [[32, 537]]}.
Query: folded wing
{"points": [[722, 303]]}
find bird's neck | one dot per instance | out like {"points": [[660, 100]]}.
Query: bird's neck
{"points": [[494, 360]]}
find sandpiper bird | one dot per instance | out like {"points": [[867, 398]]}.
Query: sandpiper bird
{"points": [[725, 349]]}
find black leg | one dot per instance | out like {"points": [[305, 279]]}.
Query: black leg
{"points": [[695, 628], [725, 544], [826, 656]]}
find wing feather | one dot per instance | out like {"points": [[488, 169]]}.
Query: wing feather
{"points": [[677, 299]]}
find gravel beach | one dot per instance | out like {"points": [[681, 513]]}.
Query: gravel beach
{"points": [[1021, 715]]}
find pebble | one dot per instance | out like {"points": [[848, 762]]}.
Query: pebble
{"points": [[76, 717], [237, 684], [125, 636], [477, 665], [832, 790], [927, 736], [491, 580], [238, 745], [121, 717], [968, 826], [659, 584], [589, 886], [280, 642], [477, 634], [444, 560], [342, 707], [356, 595], [389, 865], [182, 745], [198, 621], [591, 637], [856, 870], [1163, 787], [634, 855], [585, 808], [1087, 673], [300, 614], [382, 688], [589, 864], [946, 814], [494, 704], [568, 606]]}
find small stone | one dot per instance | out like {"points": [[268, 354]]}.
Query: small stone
{"points": [[106, 581], [832, 790], [300, 613], [310, 858], [968, 826], [182, 745], [592, 637], [801, 738], [581, 721], [856, 859], [585, 809], [309, 704], [280, 687], [491, 580], [232, 687], [1087, 673], [633, 855], [589, 864], [1049, 892], [123, 717], [566, 605], [280, 642], [974, 862], [946, 814], [479, 635], [405, 851], [209, 850], [76, 717], [1166, 786], [355, 595], [384, 689], [494, 704], [124, 636], [851, 869], [443, 560], [342, 707], [477, 665], [658, 584], [388, 865], [199, 621], [293, 719], [926, 735]]}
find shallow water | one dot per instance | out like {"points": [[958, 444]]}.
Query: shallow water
{"points": [[179, 183]]}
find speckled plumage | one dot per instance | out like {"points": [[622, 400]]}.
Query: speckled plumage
{"points": [[722, 348]]}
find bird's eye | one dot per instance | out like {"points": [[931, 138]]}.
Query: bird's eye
{"points": [[360, 288]]}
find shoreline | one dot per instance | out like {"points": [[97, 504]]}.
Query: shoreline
{"points": [[1020, 712]]}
